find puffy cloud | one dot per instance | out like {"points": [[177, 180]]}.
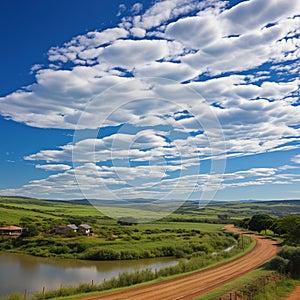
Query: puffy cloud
{"points": [[296, 159], [170, 70], [138, 32], [131, 53], [254, 14], [194, 32], [53, 167], [163, 11]]}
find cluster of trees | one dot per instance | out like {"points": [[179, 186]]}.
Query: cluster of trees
{"points": [[287, 227]]}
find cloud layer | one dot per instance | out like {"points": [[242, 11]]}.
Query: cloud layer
{"points": [[185, 76]]}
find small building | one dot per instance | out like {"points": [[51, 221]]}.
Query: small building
{"points": [[11, 230], [66, 229], [85, 229]]}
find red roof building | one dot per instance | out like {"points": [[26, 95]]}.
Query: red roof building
{"points": [[11, 230]]}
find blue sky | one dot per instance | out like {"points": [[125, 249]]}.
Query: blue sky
{"points": [[173, 99]]}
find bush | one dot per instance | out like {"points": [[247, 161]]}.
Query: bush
{"points": [[279, 264], [60, 249], [289, 260]]}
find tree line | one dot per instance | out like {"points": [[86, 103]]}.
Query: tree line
{"points": [[287, 227]]}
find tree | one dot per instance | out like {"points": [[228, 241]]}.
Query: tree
{"points": [[276, 227], [30, 230], [244, 223], [127, 221], [290, 226], [260, 222]]}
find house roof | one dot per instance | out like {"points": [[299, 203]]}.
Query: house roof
{"points": [[72, 226], [85, 226], [8, 228]]}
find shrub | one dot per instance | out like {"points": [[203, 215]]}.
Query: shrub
{"points": [[289, 257], [279, 264]]}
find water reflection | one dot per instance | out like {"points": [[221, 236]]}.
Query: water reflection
{"points": [[22, 272]]}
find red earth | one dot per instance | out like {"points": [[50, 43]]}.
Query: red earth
{"points": [[295, 295]]}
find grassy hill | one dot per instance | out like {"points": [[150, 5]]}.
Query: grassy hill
{"points": [[13, 209]]}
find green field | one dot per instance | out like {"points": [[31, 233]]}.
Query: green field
{"points": [[12, 209], [188, 231], [237, 210], [110, 240]]}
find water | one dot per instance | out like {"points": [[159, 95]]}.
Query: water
{"points": [[23, 272]]}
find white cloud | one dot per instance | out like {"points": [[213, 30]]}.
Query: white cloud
{"points": [[122, 9], [194, 32], [170, 70], [296, 159], [131, 53], [53, 167], [161, 12], [138, 32], [255, 14], [136, 8]]}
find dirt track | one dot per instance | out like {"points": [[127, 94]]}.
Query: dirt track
{"points": [[295, 295], [199, 283]]}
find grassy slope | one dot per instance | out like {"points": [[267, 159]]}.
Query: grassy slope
{"points": [[271, 291], [59, 210]]}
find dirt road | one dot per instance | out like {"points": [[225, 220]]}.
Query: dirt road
{"points": [[295, 295], [199, 283]]}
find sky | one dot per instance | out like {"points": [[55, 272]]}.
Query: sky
{"points": [[157, 100]]}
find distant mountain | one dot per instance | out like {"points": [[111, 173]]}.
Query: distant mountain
{"points": [[149, 201]]}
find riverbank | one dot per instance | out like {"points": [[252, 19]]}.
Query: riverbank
{"points": [[125, 279]]}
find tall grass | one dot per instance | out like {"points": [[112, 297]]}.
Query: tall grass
{"points": [[272, 290]]}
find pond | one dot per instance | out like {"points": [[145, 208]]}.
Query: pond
{"points": [[23, 272]]}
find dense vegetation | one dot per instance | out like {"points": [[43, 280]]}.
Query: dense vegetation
{"points": [[117, 242], [112, 240], [259, 284], [287, 227], [287, 261]]}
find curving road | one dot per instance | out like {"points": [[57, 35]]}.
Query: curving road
{"points": [[198, 283]]}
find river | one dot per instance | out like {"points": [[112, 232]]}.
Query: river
{"points": [[23, 272]]}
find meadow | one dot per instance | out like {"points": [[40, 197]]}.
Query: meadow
{"points": [[111, 241]]}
